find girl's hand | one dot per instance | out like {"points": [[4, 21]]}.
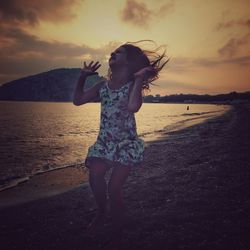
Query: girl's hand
{"points": [[145, 73], [90, 69]]}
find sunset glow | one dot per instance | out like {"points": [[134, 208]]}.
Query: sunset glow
{"points": [[208, 41]]}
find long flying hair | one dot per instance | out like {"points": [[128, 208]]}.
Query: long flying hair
{"points": [[139, 59]]}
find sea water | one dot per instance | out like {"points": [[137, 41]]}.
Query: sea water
{"points": [[42, 136]]}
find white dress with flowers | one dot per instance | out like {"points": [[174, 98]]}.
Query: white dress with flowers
{"points": [[117, 141]]}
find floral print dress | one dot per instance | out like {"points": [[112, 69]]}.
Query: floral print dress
{"points": [[117, 141]]}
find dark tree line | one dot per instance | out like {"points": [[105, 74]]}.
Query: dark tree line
{"points": [[181, 98]]}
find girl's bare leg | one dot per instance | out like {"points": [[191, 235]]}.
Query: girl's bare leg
{"points": [[117, 180], [99, 188]]}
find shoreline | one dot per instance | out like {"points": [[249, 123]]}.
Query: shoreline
{"points": [[63, 179], [192, 193], [18, 181], [14, 175], [43, 185]]}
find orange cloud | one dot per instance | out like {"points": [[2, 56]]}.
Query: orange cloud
{"points": [[24, 54], [232, 47], [139, 14], [24, 42], [32, 11], [229, 24], [183, 65], [165, 9]]}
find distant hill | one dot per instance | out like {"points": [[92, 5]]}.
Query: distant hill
{"points": [[55, 85], [58, 86]]}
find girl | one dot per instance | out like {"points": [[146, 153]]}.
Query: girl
{"points": [[117, 145]]}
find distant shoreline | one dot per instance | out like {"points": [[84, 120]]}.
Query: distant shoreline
{"points": [[186, 103]]}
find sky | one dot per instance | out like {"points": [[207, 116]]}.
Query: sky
{"points": [[207, 41]]}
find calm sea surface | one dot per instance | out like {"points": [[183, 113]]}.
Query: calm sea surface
{"points": [[41, 136]]}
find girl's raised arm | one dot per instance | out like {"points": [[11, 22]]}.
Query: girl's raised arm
{"points": [[82, 96], [135, 96]]}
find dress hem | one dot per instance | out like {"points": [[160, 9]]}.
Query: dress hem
{"points": [[110, 163]]}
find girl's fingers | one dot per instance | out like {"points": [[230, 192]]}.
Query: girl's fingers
{"points": [[94, 66], [97, 67], [91, 66]]}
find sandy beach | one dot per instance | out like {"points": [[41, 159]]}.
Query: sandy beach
{"points": [[193, 192]]}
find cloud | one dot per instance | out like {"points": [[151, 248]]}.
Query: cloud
{"points": [[23, 42], [183, 65], [177, 84], [136, 13], [23, 54], [232, 23], [31, 12], [169, 85], [165, 9], [200, 74], [232, 46], [240, 61], [139, 14]]}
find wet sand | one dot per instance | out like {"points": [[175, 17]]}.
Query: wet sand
{"points": [[192, 193], [44, 185]]}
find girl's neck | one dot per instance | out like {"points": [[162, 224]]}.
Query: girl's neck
{"points": [[120, 78]]}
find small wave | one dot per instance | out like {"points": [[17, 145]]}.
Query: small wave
{"points": [[181, 124], [177, 125], [73, 133], [48, 168], [16, 180], [190, 121], [198, 113], [12, 182], [191, 114]]}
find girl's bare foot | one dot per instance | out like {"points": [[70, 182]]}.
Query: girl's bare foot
{"points": [[96, 225]]}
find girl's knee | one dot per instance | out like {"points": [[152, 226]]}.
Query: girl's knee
{"points": [[97, 169]]}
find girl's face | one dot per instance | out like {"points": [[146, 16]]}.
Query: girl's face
{"points": [[118, 58]]}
